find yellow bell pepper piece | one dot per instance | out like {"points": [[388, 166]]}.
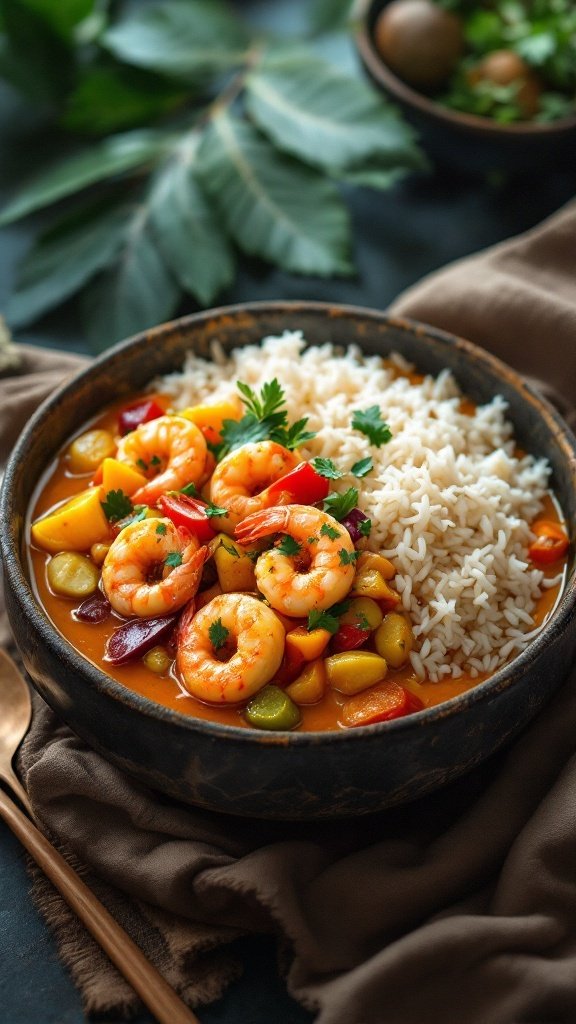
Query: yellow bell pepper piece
{"points": [[373, 560], [235, 569], [74, 526], [118, 475], [310, 685], [309, 644], [209, 417], [353, 671]]}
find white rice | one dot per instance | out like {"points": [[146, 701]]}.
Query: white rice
{"points": [[450, 502]]}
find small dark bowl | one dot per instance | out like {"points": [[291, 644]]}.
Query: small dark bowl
{"points": [[282, 775], [459, 140]]}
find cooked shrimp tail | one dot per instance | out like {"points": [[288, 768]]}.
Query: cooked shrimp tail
{"points": [[264, 524]]}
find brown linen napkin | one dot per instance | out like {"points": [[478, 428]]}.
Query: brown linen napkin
{"points": [[458, 909]]}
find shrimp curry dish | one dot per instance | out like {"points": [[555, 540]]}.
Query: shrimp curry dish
{"points": [[265, 553]]}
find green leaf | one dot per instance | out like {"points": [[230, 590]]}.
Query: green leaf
{"points": [[328, 15], [32, 56], [116, 505], [289, 546], [339, 505], [272, 206], [365, 526], [113, 156], [179, 38], [328, 531], [213, 510], [108, 99], [348, 557], [188, 234], [137, 292], [161, 529], [327, 468], [322, 620], [328, 119], [362, 467], [370, 423], [268, 402], [63, 16], [173, 559], [64, 260], [218, 634]]}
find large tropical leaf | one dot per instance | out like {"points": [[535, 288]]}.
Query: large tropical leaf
{"points": [[328, 15], [273, 206], [189, 236], [64, 260], [180, 38], [62, 15], [310, 109], [110, 99], [137, 292], [114, 155]]}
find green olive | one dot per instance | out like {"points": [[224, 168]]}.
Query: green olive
{"points": [[393, 639], [72, 575], [157, 660], [420, 41], [272, 708]]}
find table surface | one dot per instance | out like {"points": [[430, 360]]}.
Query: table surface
{"points": [[399, 236]]}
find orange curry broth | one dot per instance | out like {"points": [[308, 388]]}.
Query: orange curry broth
{"points": [[89, 639]]}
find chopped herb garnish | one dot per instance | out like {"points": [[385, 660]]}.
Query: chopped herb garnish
{"points": [[339, 505], [218, 634], [348, 557], [213, 510], [161, 529], [362, 623], [369, 422], [328, 531], [190, 490], [340, 608], [143, 465], [362, 467], [116, 505], [312, 540], [364, 527], [289, 546], [327, 468], [230, 549], [322, 620], [155, 461], [173, 559], [264, 420]]}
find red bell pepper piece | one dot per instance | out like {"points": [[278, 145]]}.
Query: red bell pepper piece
{"points": [[189, 513], [133, 415], [551, 542], [302, 486], [380, 703], [348, 638]]}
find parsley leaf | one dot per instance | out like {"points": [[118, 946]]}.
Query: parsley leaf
{"points": [[218, 634], [292, 437], [340, 608], [369, 422], [116, 505], [362, 467], [270, 400], [327, 468], [328, 531], [322, 620], [161, 529], [190, 490], [265, 420], [364, 526], [173, 559], [289, 546], [230, 549], [213, 510], [339, 505], [348, 557]]}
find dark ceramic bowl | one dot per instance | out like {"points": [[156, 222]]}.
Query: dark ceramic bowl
{"points": [[464, 141], [282, 775]]}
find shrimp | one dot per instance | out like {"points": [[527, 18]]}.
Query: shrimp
{"points": [[240, 481], [152, 568], [251, 650], [172, 447], [318, 574]]}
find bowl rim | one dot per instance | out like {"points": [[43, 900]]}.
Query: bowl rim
{"points": [[14, 560], [382, 73]]}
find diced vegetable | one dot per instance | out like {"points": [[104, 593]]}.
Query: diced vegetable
{"points": [[358, 524], [291, 665], [94, 609], [348, 638], [210, 417], [140, 412], [74, 526], [373, 560], [353, 671], [234, 566], [87, 451], [363, 612], [119, 476], [381, 704], [72, 575], [302, 486], [190, 513], [309, 687], [272, 708], [134, 638], [310, 644], [157, 660], [371, 583], [98, 552], [393, 639], [551, 542]]}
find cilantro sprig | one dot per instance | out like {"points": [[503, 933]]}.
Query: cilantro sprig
{"points": [[218, 634], [264, 420], [116, 505], [327, 468], [322, 620], [339, 505], [173, 559], [370, 423], [289, 546], [212, 511]]}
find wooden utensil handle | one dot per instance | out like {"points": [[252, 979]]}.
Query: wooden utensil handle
{"points": [[153, 990]]}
